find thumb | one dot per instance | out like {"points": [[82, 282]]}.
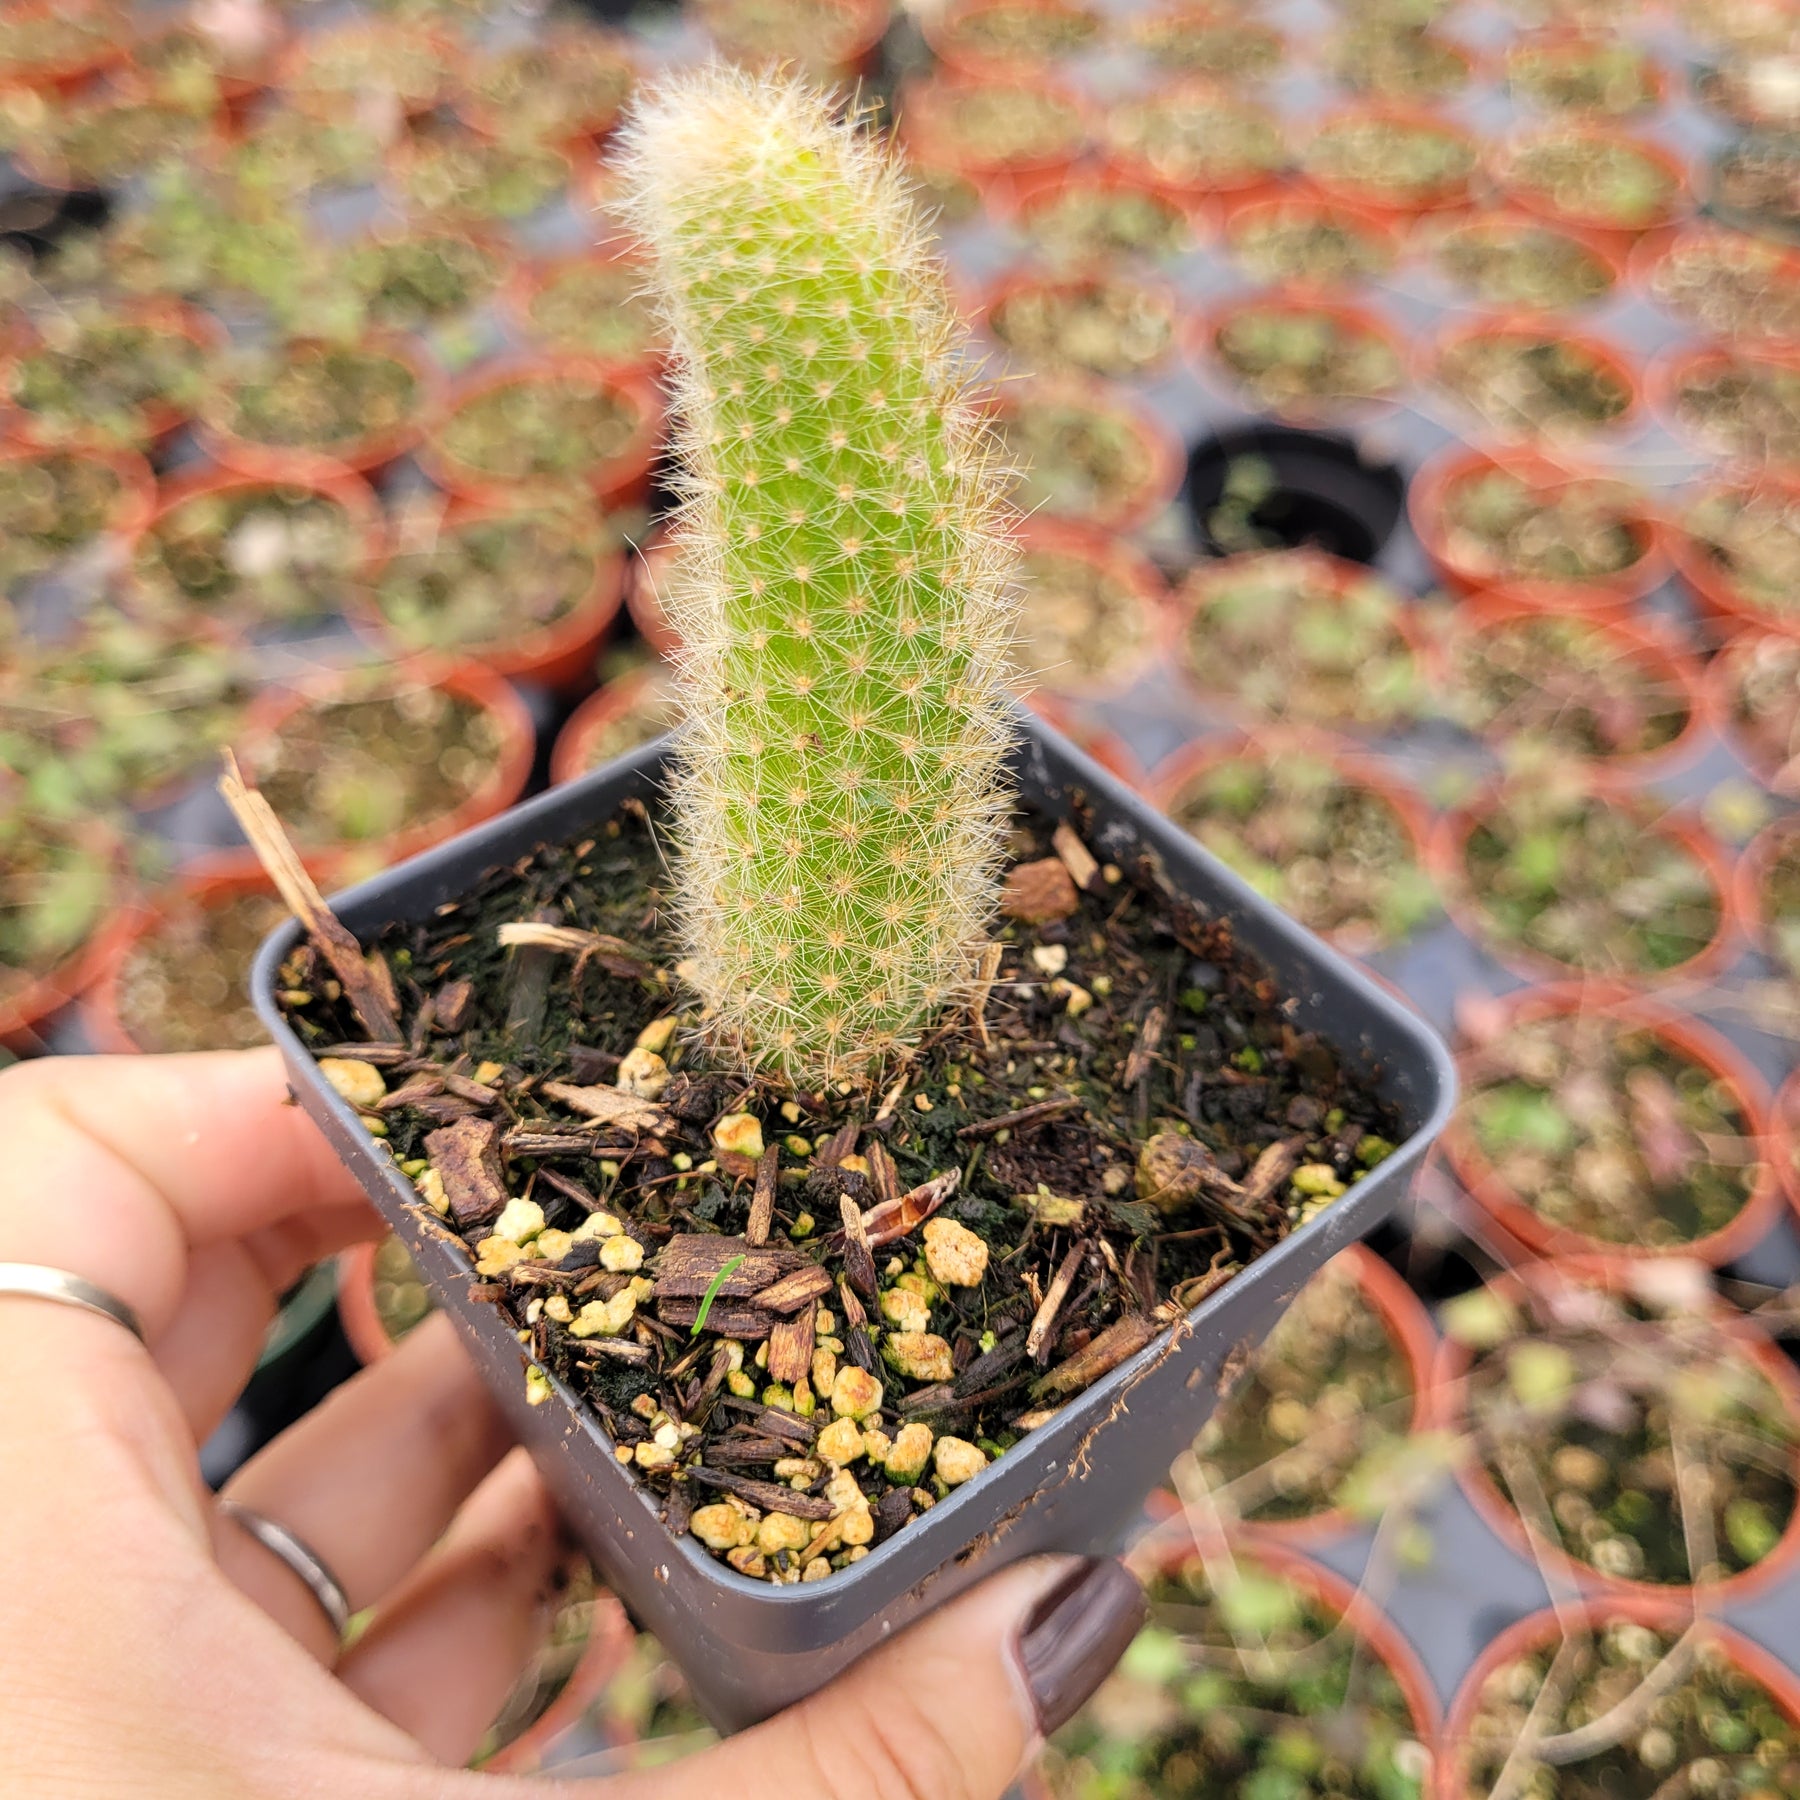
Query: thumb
{"points": [[948, 1711]]}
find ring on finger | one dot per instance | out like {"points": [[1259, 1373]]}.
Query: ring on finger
{"points": [[281, 1543]]}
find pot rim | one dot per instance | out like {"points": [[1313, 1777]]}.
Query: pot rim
{"points": [[1347, 759], [529, 277], [938, 27], [568, 758], [1521, 1226], [1446, 854], [1200, 336], [1450, 193], [1504, 152], [1163, 450], [1430, 351], [1720, 687], [1170, 1546], [1455, 463], [1198, 590], [559, 654], [360, 455], [1016, 281], [344, 488], [42, 996], [1410, 1331], [1538, 1628], [461, 676], [100, 1014], [1495, 607], [1135, 571], [1199, 90], [1717, 596], [621, 476], [1612, 1274]]}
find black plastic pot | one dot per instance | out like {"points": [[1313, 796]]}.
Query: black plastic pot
{"points": [[748, 1648], [1324, 492]]}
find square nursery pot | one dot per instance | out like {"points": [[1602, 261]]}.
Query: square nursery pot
{"points": [[748, 1648]]}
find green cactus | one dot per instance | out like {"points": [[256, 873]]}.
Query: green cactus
{"points": [[843, 586]]}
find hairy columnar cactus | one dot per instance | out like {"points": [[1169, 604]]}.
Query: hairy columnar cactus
{"points": [[844, 579]]}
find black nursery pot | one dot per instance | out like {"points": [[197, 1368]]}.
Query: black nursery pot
{"points": [[1324, 492], [748, 1648]]}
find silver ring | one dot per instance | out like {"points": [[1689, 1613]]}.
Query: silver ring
{"points": [[280, 1542], [35, 1281]]}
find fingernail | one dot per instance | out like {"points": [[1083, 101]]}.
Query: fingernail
{"points": [[1075, 1634]]}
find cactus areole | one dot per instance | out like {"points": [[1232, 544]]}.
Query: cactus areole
{"points": [[843, 580]]}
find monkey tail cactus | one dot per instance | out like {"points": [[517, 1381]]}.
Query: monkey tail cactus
{"points": [[843, 586]]}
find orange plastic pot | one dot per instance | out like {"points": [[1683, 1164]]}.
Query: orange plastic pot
{"points": [[1435, 236], [413, 151], [1449, 844], [1784, 1139], [941, 27], [347, 491], [1616, 1274], [1409, 1329], [1271, 743], [1525, 1232], [1009, 287], [240, 78], [528, 280], [323, 103], [368, 1338], [572, 754], [1661, 655], [101, 1017], [1171, 1545], [490, 119], [505, 782], [160, 418], [1201, 339], [38, 1000], [365, 454], [1747, 880], [559, 655], [646, 580], [1502, 170], [1718, 598], [137, 482], [622, 479], [1033, 195], [63, 74], [865, 25], [1450, 192], [1675, 367], [1570, 44], [1652, 252], [1250, 181], [1382, 232], [1665, 1613], [1531, 328], [1107, 748], [1165, 464], [925, 110], [1123, 564], [1209, 578], [1722, 676], [1438, 480]]}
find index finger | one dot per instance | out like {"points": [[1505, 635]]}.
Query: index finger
{"points": [[116, 1167]]}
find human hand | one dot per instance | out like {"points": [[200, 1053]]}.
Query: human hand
{"points": [[150, 1647]]}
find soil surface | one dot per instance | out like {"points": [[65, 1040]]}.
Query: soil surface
{"points": [[805, 1317]]}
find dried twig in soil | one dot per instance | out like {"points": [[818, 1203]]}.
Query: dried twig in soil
{"points": [[370, 995]]}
